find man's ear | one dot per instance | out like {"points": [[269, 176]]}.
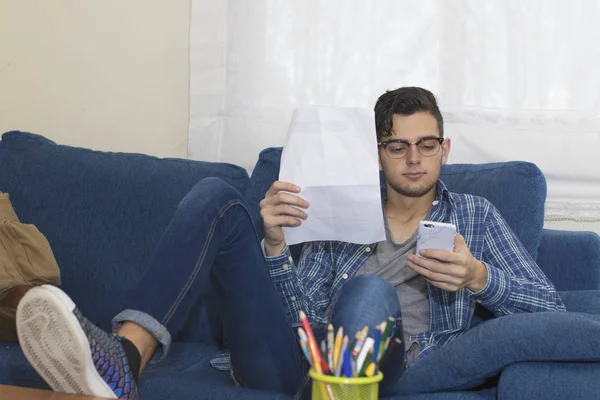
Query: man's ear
{"points": [[379, 160], [446, 145]]}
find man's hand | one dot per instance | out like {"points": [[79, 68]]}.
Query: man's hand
{"points": [[449, 270], [279, 209]]}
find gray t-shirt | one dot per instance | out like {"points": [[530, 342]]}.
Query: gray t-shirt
{"points": [[390, 262]]}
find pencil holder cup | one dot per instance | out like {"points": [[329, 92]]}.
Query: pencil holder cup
{"points": [[326, 387]]}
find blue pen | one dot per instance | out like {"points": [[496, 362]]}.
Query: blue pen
{"points": [[376, 347], [347, 366]]}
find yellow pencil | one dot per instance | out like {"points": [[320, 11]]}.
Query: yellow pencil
{"points": [[336, 348], [370, 370]]}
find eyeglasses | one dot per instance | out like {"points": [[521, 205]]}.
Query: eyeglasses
{"points": [[397, 148]]}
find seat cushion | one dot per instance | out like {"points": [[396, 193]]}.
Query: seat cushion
{"points": [[550, 381], [583, 301], [184, 375], [15, 370], [495, 344], [484, 394], [103, 213], [187, 375]]}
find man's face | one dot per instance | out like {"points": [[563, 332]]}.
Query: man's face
{"points": [[414, 175]]}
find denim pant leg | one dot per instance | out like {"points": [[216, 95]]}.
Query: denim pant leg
{"points": [[211, 241], [370, 300]]}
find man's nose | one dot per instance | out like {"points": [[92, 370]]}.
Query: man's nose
{"points": [[413, 156]]}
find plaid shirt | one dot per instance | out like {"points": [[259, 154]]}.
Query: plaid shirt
{"points": [[515, 282]]}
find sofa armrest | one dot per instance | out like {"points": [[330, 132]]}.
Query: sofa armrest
{"points": [[570, 259], [549, 380], [582, 301]]}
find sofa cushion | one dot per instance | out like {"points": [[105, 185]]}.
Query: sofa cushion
{"points": [[484, 394], [103, 213], [184, 375], [517, 189], [485, 350], [15, 369], [550, 381], [571, 259]]}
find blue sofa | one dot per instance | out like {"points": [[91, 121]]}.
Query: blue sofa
{"points": [[103, 214]]}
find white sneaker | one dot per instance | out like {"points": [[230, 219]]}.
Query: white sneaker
{"points": [[68, 351]]}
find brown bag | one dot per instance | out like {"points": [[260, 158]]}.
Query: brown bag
{"points": [[26, 260]]}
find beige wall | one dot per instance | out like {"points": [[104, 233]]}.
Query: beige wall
{"points": [[109, 75]]}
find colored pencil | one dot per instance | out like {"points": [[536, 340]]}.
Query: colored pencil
{"points": [[302, 334], [368, 361], [359, 340], [385, 337], [330, 347], [337, 347], [376, 345], [304, 345], [305, 351], [363, 353], [347, 364], [370, 370], [313, 348], [344, 347]]}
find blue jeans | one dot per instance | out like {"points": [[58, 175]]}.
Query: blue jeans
{"points": [[370, 300], [211, 246]]}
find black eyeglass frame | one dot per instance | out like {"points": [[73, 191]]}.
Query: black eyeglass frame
{"points": [[384, 144]]}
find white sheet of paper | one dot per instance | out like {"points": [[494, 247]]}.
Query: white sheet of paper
{"points": [[331, 153]]}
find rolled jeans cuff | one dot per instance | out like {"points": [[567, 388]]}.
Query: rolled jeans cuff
{"points": [[155, 328]]}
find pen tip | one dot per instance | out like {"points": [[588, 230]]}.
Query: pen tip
{"points": [[302, 315]]}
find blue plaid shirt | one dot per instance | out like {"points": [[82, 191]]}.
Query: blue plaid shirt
{"points": [[515, 282]]}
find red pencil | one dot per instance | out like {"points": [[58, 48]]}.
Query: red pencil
{"points": [[313, 348]]}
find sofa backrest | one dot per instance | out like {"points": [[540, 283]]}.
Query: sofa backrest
{"points": [[103, 213], [517, 189]]}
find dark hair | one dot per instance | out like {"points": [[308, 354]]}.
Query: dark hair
{"points": [[405, 101]]}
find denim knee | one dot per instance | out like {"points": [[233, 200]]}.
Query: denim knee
{"points": [[208, 196], [370, 282], [365, 300], [372, 286]]}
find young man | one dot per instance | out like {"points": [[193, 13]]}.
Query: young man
{"points": [[261, 289]]}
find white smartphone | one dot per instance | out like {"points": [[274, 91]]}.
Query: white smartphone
{"points": [[435, 235]]}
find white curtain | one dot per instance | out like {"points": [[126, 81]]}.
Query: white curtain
{"points": [[516, 80]]}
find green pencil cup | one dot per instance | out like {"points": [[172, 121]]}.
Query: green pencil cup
{"points": [[326, 387]]}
